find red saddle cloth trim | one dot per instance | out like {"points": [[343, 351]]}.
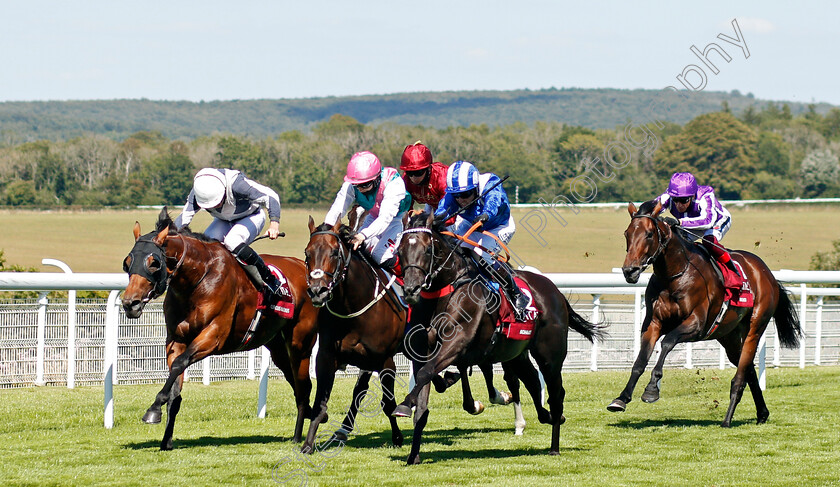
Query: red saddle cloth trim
{"points": [[517, 330], [741, 296], [285, 306]]}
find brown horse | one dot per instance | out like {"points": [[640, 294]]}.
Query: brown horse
{"points": [[463, 331], [362, 323], [208, 308], [683, 300]]}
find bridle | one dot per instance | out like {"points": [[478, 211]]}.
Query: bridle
{"points": [[335, 277], [146, 247], [432, 272], [663, 244]]}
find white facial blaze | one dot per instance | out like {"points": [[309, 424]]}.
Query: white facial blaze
{"points": [[412, 240], [316, 274]]}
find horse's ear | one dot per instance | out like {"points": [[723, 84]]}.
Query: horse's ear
{"points": [[631, 208], [337, 226], [405, 218], [311, 224], [656, 209], [430, 219], [161, 236], [136, 230]]}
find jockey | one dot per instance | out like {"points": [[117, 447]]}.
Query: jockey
{"points": [[382, 193], [424, 180], [697, 208], [236, 203], [465, 189]]}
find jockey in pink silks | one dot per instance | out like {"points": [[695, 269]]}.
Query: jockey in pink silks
{"points": [[381, 192], [698, 210]]}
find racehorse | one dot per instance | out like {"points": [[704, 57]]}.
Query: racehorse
{"points": [[464, 332], [362, 323], [209, 305], [683, 300]]}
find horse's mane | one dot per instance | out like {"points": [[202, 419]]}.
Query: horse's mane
{"points": [[164, 220], [647, 207], [343, 230]]}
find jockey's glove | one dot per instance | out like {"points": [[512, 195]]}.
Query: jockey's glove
{"points": [[482, 218]]}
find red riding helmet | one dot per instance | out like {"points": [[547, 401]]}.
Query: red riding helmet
{"points": [[416, 157]]}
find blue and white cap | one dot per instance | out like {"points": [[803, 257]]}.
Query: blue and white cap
{"points": [[461, 176]]}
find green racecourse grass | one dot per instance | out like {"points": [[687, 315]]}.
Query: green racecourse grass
{"points": [[592, 240], [54, 436]]}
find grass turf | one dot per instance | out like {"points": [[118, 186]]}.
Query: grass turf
{"points": [[54, 436]]}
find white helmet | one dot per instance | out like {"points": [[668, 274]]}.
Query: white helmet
{"points": [[209, 188]]}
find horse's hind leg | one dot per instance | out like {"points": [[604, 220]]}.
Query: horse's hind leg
{"points": [[359, 391], [296, 372], [496, 396], [469, 403], [743, 356], [522, 367], [173, 351], [512, 381], [649, 338]]}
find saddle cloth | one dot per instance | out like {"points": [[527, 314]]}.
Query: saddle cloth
{"points": [[740, 297], [285, 305], [508, 325]]}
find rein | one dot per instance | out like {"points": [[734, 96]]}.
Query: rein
{"points": [[433, 271], [660, 250]]}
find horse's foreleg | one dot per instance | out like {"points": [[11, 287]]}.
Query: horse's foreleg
{"points": [[421, 417], [387, 377], [424, 375], [685, 332], [649, 338], [173, 406], [496, 396], [525, 371], [295, 369], [325, 367], [173, 351]]}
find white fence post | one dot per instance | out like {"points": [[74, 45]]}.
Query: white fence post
{"points": [[40, 338], [803, 310], [596, 319], [111, 355], [689, 347], [262, 396], [637, 323], [205, 371], [762, 361], [818, 331], [71, 324]]}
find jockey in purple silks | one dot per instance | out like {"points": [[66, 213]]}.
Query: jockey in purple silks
{"points": [[697, 209]]}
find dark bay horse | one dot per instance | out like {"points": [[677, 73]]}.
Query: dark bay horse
{"points": [[463, 330], [683, 299], [209, 304], [361, 323]]}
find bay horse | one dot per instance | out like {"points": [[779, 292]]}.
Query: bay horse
{"points": [[362, 323], [463, 331], [683, 300], [209, 304]]}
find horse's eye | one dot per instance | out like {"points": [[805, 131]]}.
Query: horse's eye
{"points": [[127, 263], [428, 251], [649, 235], [334, 253], [154, 265]]}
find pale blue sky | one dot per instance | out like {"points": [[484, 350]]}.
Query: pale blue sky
{"points": [[213, 50]]}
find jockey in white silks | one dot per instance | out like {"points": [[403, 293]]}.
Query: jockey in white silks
{"points": [[482, 198], [236, 203], [382, 193]]}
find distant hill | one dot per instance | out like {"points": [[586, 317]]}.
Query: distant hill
{"points": [[593, 108]]}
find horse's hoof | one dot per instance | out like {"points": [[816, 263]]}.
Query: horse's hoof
{"points": [[502, 398], [554, 452], [415, 460], [340, 435], [519, 431], [562, 419], [617, 406], [401, 411], [166, 446], [478, 408], [763, 418], [151, 417], [650, 397], [306, 449], [397, 440]]}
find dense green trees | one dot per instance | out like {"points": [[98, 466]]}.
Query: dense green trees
{"points": [[764, 153]]}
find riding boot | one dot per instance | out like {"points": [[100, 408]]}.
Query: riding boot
{"points": [[392, 265], [258, 271], [517, 299]]}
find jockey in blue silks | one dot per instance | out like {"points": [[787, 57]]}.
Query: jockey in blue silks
{"points": [[697, 209], [465, 189]]}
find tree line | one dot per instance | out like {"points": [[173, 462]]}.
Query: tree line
{"points": [[763, 152]]}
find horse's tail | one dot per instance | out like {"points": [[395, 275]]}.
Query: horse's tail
{"points": [[787, 321], [590, 331]]}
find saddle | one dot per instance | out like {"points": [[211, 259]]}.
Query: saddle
{"points": [[507, 324], [284, 307]]}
